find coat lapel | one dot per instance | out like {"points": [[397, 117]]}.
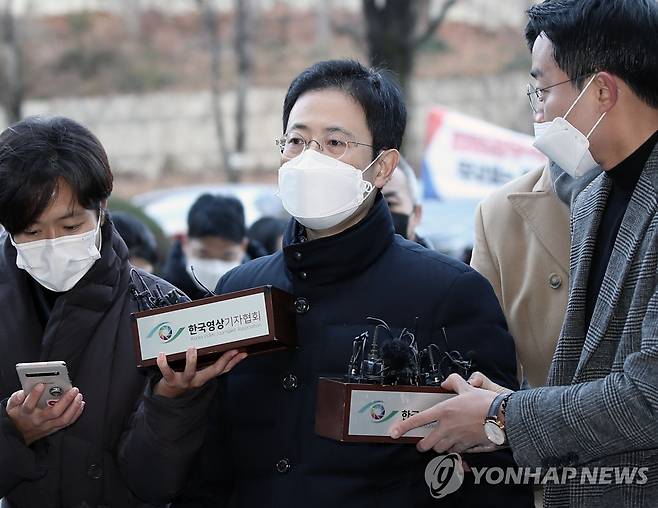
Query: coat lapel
{"points": [[534, 208], [586, 217], [640, 211]]}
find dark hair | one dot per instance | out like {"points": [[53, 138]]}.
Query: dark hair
{"points": [[35, 154], [588, 36], [375, 90], [139, 239], [267, 231], [216, 215]]}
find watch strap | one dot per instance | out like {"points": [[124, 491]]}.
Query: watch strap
{"points": [[495, 406]]}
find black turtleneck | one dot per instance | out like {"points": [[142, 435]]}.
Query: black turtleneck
{"points": [[624, 177]]}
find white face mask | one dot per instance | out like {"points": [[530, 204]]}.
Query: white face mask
{"points": [[565, 145], [58, 264], [540, 128], [319, 191], [209, 271]]}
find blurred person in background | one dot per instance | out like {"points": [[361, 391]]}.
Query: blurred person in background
{"points": [[140, 240], [216, 242], [268, 232], [402, 193], [521, 246]]}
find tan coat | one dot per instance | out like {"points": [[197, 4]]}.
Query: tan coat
{"points": [[522, 247]]}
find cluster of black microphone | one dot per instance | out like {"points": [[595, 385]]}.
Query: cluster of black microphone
{"points": [[147, 299], [396, 360]]}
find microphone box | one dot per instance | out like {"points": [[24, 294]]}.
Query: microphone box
{"points": [[254, 320], [364, 413]]}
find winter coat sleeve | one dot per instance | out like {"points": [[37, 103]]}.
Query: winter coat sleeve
{"points": [[210, 482], [576, 424], [18, 462], [474, 325], [163, 437]]}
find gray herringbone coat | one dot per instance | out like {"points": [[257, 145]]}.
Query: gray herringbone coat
{"points": [[601, 406]]}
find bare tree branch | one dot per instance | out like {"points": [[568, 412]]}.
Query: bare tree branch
{"points": [[243, 53], [434, 23], [209, 20], [11, 72]]}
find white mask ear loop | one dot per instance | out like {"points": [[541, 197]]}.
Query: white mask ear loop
{"points": [[373, 161], [368, 187], [596, 124], [579, 96], [576, 101]]}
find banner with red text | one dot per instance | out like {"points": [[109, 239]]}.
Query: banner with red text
{"points": [[467, 158]]}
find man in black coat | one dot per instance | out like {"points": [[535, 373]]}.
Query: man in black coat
{"points": [[66, 294], [341, 261]]}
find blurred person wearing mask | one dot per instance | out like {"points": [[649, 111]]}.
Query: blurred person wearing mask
{"points": [[403, 197], [216, 243], [342, 127], [595, 65], [140, 240], [65, 296], [268, 232]]}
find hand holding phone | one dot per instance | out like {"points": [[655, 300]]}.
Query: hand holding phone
{"points": [[54, 375], [31, 412]]}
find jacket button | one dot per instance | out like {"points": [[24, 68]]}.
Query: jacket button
{"points": [[554, 280], [303, 275], [95, 472], [290, 382], [301, 306], [283, 466], [297, 255]]}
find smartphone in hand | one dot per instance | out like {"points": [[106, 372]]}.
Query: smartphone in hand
{"points": [[54, 375]]}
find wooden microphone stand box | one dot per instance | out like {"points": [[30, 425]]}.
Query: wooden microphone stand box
{"points": [[364, 413], [254, 320]]}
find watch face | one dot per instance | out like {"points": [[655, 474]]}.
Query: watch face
{"points": [[494, 433]]}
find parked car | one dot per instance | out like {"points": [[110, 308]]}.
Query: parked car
{"points": [[169, 207]]}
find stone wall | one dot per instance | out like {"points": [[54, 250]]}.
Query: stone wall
{"points": [[166, 132]]}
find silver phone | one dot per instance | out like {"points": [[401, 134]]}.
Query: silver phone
{"points": [[54, 375]]}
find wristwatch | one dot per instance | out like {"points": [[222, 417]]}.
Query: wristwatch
{"points": [[493, 427]]}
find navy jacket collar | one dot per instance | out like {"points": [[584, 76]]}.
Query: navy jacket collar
{"points": [[327, 260]]}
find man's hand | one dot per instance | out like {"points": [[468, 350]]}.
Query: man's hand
{"points": [[479, 380], [35, 423], [174, 384], [459, 420]]}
